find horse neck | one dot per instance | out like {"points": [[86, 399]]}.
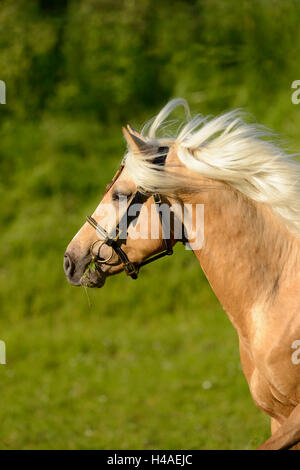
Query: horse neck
{"points": [[246, 249]]}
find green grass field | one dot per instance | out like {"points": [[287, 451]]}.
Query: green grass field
{"points": [[144, 364], [155, 367]]}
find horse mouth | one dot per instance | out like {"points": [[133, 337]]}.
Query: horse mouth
{"points": [[93, 277]]}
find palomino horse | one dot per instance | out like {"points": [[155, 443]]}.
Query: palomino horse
{"points": [[250, 190]]}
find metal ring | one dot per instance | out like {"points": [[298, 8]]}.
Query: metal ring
{"points": [[97, 258]]}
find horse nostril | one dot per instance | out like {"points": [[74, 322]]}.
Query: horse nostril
{"points": [[69, 266]]}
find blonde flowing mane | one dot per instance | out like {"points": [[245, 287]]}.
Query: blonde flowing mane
{"points": [[223, 148]]}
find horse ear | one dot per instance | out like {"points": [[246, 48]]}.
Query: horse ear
{"points": [[136, 143], [134, 132]]}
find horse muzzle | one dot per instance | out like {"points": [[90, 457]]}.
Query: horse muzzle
{"points": [[83, 272]]}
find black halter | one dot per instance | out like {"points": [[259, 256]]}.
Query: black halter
{"points": [[132, 269]]}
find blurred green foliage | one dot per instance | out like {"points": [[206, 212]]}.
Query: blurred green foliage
{"points": [[115, 60], [153, 367]]}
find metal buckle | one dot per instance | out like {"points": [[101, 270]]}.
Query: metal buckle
{"points": [[157, 198], [129, 271], [116, 238]]}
